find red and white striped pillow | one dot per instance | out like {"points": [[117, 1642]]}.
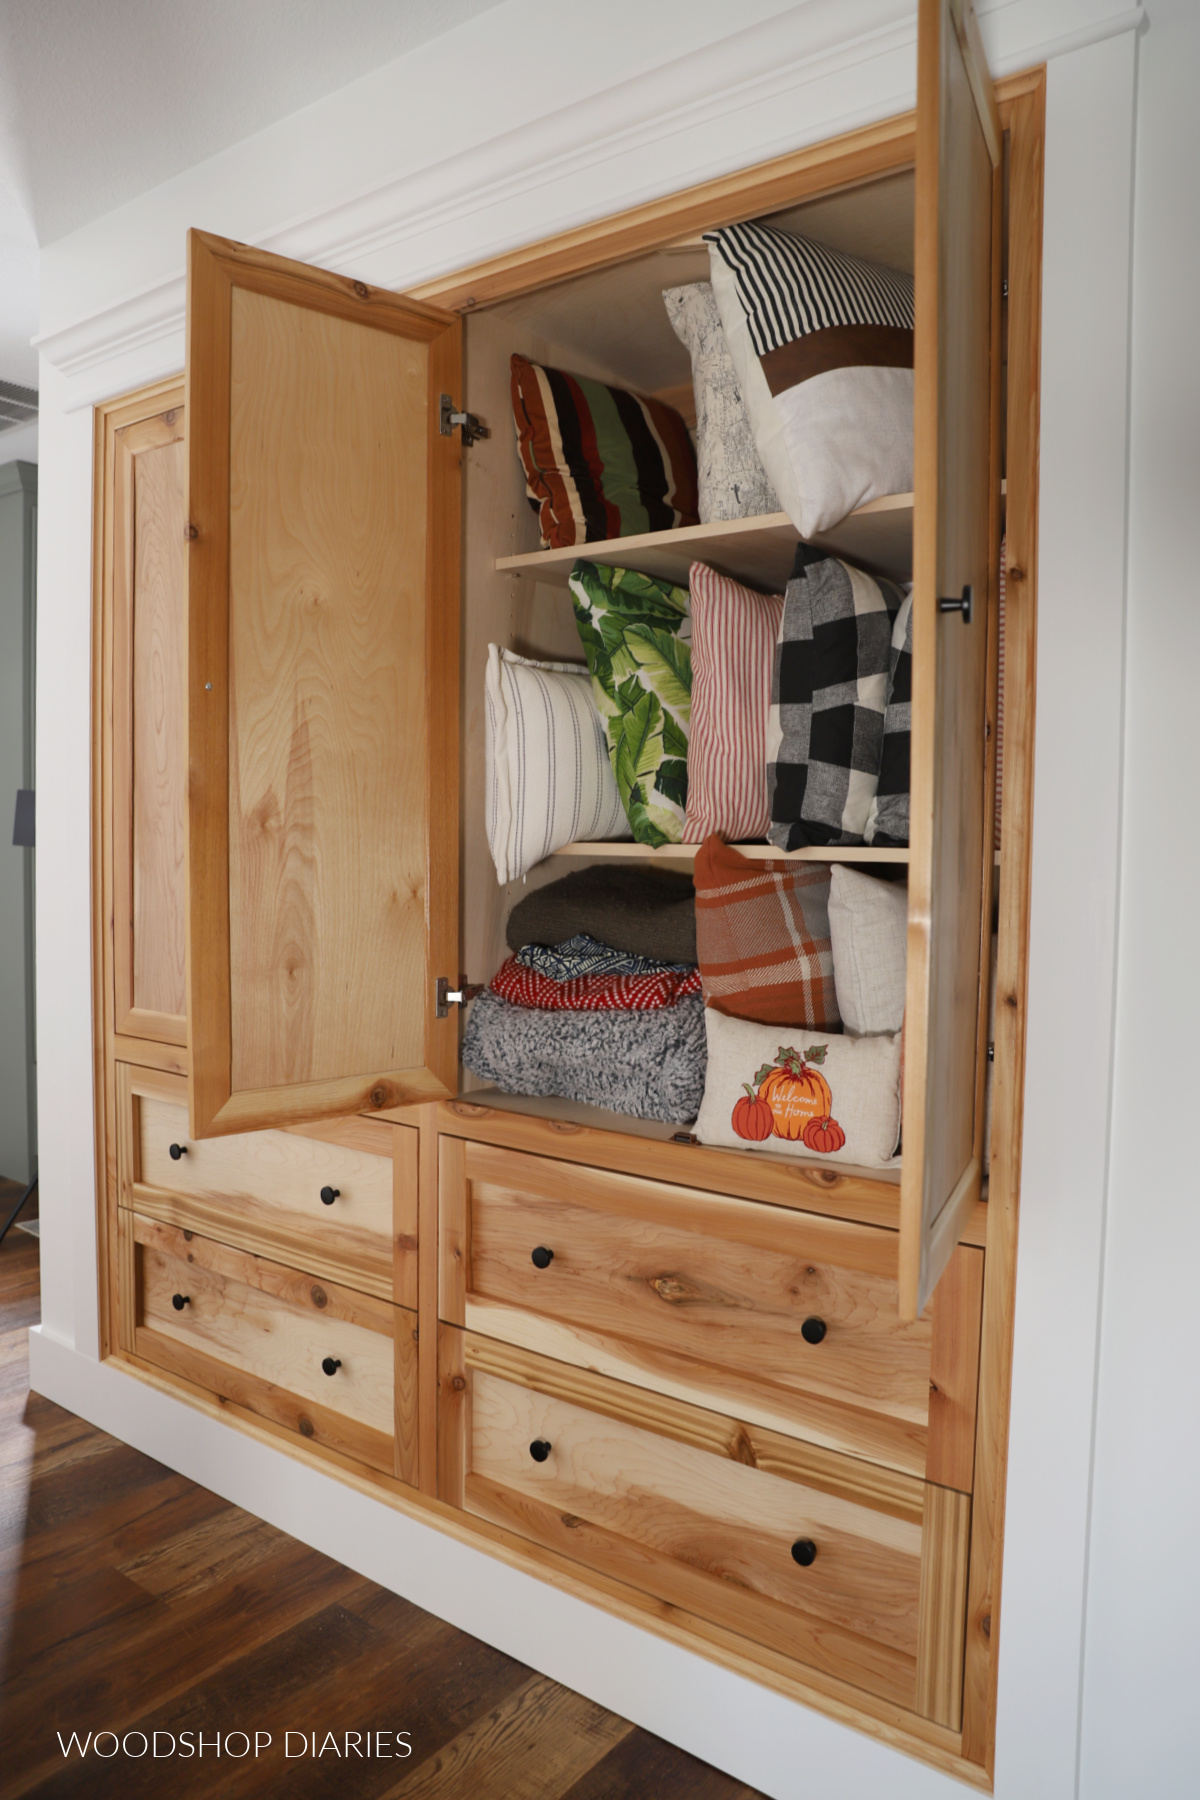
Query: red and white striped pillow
{"points": [[733, 648]]}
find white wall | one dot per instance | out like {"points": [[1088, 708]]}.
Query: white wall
{"points": [[1141, 1715], [353, 183]]}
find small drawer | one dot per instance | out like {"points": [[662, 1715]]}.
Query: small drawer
{"points": [[807, 1553], [788, 1318], [335, 1366], [338, 1199]]}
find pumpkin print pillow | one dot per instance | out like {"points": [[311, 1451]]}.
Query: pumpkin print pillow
{"points": [[636, 635], [820, 1095]]}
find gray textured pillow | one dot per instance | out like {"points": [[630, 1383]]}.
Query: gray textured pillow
{"points": [[733, 482]]}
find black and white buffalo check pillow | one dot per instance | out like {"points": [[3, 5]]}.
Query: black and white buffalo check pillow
{"points": [[829, 695], [822, 345], [887, 820]]}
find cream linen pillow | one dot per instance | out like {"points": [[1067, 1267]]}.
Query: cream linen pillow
{"points": [[549, 778], [802, 1093], [868, 928]]}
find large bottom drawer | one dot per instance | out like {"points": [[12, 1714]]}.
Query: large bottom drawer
{"points": [[852, 1569], [336, 1366]]}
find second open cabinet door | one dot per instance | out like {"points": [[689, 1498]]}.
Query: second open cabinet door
{"points": [[955, 548], [323, 607]]}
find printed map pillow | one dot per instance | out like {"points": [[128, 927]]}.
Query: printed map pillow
{"points": [[636, 635], [733, 482], [801, 1093]]}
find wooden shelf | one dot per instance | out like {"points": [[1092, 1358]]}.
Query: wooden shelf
{"points": [[760, 552], [852, 853]]}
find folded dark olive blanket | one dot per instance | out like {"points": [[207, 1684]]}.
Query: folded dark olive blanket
{"points": [[648, 911], [648, 1064]]}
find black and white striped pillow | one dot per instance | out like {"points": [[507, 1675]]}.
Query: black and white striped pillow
{"points": [[822, 344], [790, 286]]}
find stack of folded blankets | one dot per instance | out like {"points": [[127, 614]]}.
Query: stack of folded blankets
{"points": [[601, 1000]]}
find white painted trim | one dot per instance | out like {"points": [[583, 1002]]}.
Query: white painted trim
{"points": [[770, 71]]}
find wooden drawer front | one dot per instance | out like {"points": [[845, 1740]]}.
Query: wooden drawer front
{"points": [[258, 1333], [261, 1190], [707, 1298], [668, 1499]]}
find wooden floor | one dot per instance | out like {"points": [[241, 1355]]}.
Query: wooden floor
{"points": [[133, 1601]]}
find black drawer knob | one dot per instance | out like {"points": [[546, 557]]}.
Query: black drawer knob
{"points": [[331, 1364], [813, 1330], [804, 1551], [329, 1195], [539, 1449], [541, 1258], [175, 1151], [179, 1301]]}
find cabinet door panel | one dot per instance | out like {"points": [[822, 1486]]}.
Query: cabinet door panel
{"points": [[322, 692], [956, 490], [149, 569]]}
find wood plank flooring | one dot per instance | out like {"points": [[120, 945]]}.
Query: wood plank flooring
{"points": [[134, 1602]]}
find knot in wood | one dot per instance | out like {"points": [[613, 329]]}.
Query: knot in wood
{"points": [[671, 1289], [378, 1096], [305, 1427], [320, 1297], [458, 1383], [570, 1520], [362, 290]]}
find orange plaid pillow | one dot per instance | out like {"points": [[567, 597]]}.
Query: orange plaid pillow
{"points": [[762, 938]]}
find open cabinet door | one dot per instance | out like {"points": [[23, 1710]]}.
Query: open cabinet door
{"points": [[323, 608], [956, 491]]}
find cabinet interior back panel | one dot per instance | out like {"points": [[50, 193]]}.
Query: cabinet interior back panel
{"points": [[158, 704], [328, 501]]}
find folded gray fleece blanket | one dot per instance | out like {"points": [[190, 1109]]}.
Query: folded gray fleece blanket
{"points": [[648, 1064], [650, 912]]}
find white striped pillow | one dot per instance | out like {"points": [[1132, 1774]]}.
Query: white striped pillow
{"points": [[549, 777], [733, 648]]}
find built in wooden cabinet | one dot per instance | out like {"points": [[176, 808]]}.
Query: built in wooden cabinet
{"points": [[727, 1358]]}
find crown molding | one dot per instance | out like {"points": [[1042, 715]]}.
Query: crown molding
{"points": [[823, 67]]}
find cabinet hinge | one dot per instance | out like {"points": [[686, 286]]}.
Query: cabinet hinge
{"points": [[470, 425], [446, 996]]}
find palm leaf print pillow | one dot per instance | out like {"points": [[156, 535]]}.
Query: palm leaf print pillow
{"points": [[636, 636]]}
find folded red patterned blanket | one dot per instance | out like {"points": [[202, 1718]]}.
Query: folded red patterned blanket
{"points": [[522, 986]]}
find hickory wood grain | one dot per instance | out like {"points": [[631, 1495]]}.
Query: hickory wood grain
{"points": [[890, 1723], [261, 1191], [268, 1323], [144, 1602], [849, 1478], [315, 484], [956, 287], [148, 601], [111, 807], [1026, 153], [703, 1297], [711, 1530]]}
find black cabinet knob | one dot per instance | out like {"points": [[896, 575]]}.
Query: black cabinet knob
{"points": [[175, 1151], [813, 1330], [329, 1195], [331, 1364], [179, 1301], [804, 1551], [541, 1258], [539, 1449]]}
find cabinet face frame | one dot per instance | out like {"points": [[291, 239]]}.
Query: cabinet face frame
{"points": [[968, 1754]]}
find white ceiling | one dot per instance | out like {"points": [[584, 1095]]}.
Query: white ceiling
{"points": [[103, 99]]}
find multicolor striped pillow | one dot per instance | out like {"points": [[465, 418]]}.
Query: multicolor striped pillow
{"points": [[762, 938], [600, 463], [733, 652]]}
